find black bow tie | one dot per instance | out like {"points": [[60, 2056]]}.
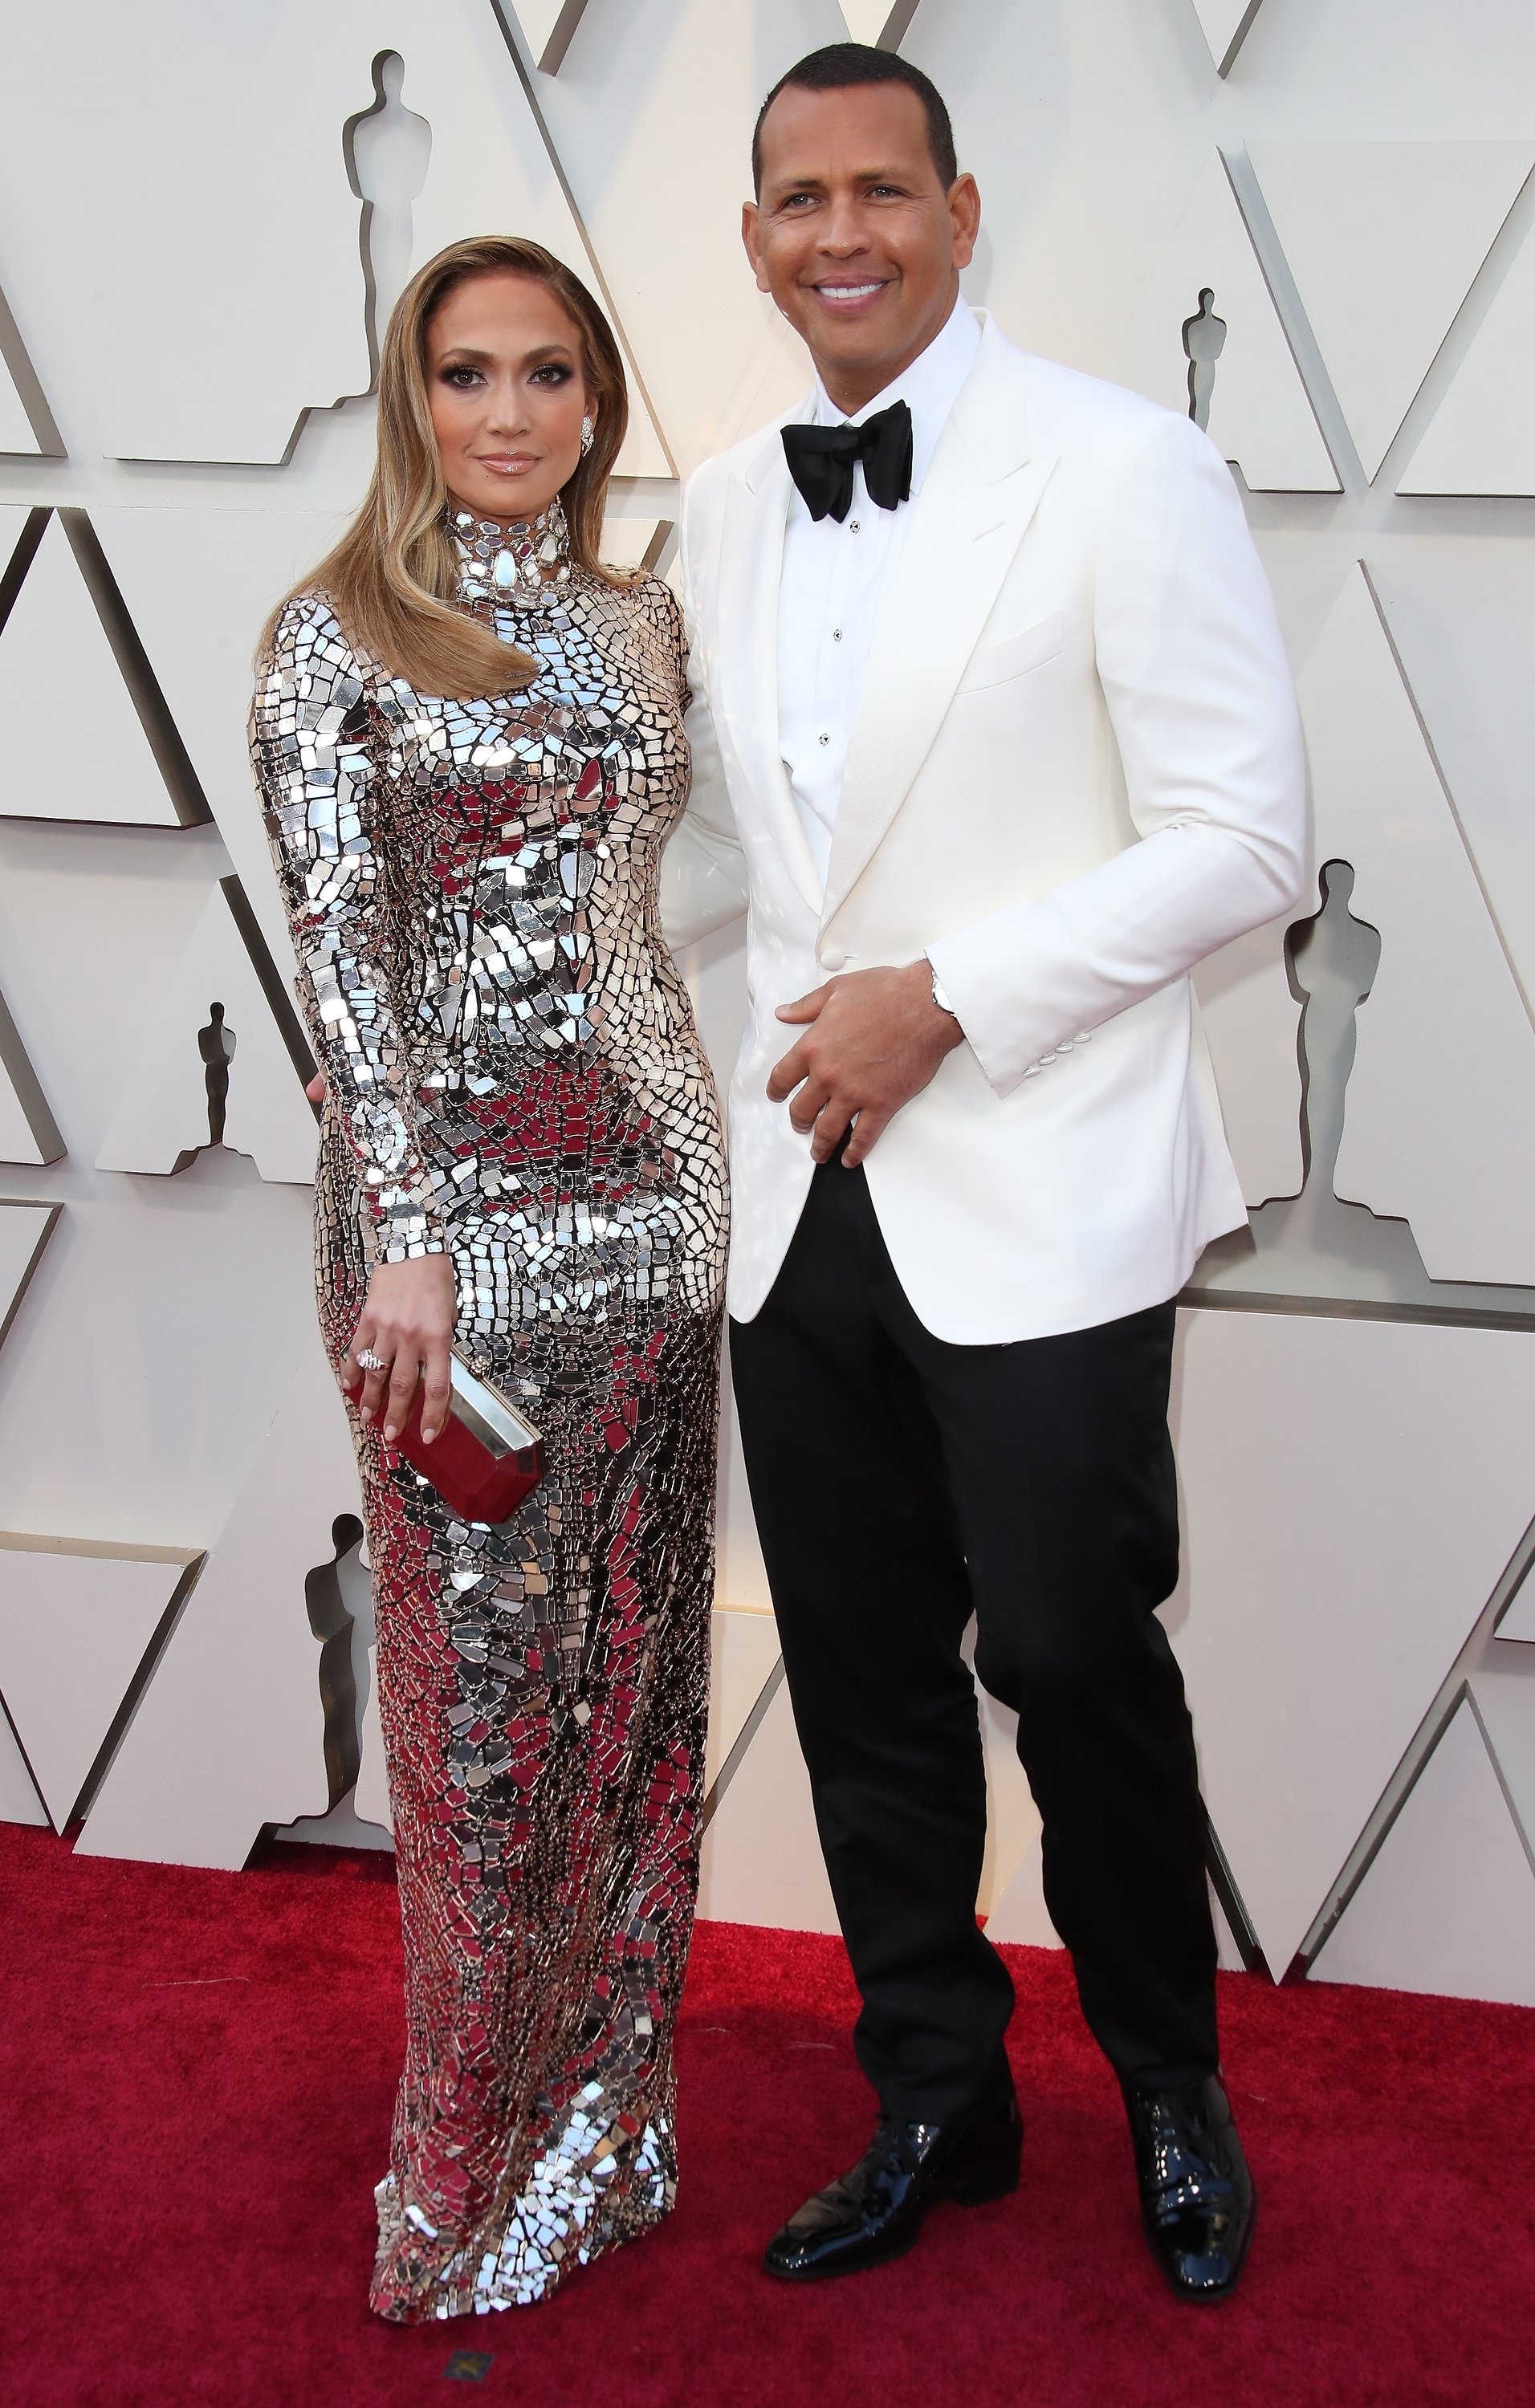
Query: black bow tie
{"points": [[822, 460]]}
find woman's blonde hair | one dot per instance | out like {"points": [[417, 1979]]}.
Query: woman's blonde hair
{"points": [[394, 575]]}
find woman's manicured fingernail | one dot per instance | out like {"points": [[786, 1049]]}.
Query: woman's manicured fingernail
{"points": [[390, 1434], [366, 1411]]}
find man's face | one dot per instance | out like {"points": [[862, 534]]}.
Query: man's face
{"points": [[854, 236]]}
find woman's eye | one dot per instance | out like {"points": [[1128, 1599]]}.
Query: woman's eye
{"points": [[551, 374], [461, 378]]}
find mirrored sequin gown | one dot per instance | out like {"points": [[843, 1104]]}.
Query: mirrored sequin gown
{"points": [[515, 1078]]}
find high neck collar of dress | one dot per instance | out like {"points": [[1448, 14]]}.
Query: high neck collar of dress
{"points": [[519, 564]]}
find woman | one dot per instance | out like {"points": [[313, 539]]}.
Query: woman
{"points": [[468, 741]]}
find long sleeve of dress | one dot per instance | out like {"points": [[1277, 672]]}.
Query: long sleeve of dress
{"points": [[310, 748]]}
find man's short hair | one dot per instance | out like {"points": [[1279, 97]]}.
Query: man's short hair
{"points": [[843, 66]]}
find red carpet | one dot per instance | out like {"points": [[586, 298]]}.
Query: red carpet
{"points": [[198, 2068]]}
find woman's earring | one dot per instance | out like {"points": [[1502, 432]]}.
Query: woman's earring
{"points": [[588, 434]]}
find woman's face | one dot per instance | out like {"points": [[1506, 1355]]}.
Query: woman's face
{"points": [[508, 394]]}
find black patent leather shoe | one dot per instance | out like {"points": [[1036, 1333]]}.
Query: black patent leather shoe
{"points": [[1197, 2197], [875, 2213]]}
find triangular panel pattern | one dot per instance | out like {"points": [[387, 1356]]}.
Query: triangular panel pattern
{"points": [[273, 256], [58, 671], [19, 1799], [881, 23], [1225, 23], [1455, 1156], [164, 1113], [496, 169], [1385, 240], [745, 1651], [26, 422], [1519, 1621], [1505, 1699], [1353, 1491], [28, 1131], [1260, 415], [26, 1228], [16, 435], [1461, 1172], [761, 1852], [202, 658], [717, 358], [1481, 436], [75, 1620], [230, 1733], [1448, 1904], [548, 27]]}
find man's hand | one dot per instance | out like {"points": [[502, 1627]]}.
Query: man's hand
{"points": [[875, 1038]]}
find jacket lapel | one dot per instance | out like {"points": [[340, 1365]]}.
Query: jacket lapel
{"points": [[750, 567], [976, 502]]}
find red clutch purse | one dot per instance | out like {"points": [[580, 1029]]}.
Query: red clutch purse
{"points": [[485, 1459]]}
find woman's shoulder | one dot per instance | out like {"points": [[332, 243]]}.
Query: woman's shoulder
{"points": [[653, 612], [307, 638], [645, 594]]}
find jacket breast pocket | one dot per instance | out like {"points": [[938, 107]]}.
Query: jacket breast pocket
{"points": [[1015, 655]]}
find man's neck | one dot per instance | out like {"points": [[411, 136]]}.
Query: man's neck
{"points": [[851, 389]]}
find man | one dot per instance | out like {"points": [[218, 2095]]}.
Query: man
{"points": [[995, 738]]}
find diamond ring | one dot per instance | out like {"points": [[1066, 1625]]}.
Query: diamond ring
{"points": [[368, 1361]]}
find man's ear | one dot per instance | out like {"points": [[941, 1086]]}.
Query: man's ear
{"points": [[965, 213], [750, 236]]}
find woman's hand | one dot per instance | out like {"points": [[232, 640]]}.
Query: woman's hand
{"points": [[408, 1322]]}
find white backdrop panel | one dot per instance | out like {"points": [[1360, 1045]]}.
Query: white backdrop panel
{"points": [[19, 1799], [16, 433], [76, 747], [224, 321], [24, 1230], [1418, 1138], [230, 1734], [1260, 416], [1352, 1491], [744, 1651], [716, 357], [74, 1626], [163, 1112], [1385, 240], [761, 1855], [1481, 437], [1225, 23], [1449, 1903], [1419, 1141]]}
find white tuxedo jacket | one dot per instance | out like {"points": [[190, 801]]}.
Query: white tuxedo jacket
{"points": [[1077, 769]]}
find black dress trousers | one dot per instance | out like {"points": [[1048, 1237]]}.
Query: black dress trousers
{"points": [[901, 1483]]}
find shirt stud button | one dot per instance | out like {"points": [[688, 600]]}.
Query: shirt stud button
{"points": [[837, 635], [853, 526], [826, 740]]}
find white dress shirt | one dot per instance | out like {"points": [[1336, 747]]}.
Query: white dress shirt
{"points": [[834, 577]]}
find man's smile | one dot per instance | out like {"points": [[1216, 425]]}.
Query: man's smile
{"points": [[849, 295]]}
